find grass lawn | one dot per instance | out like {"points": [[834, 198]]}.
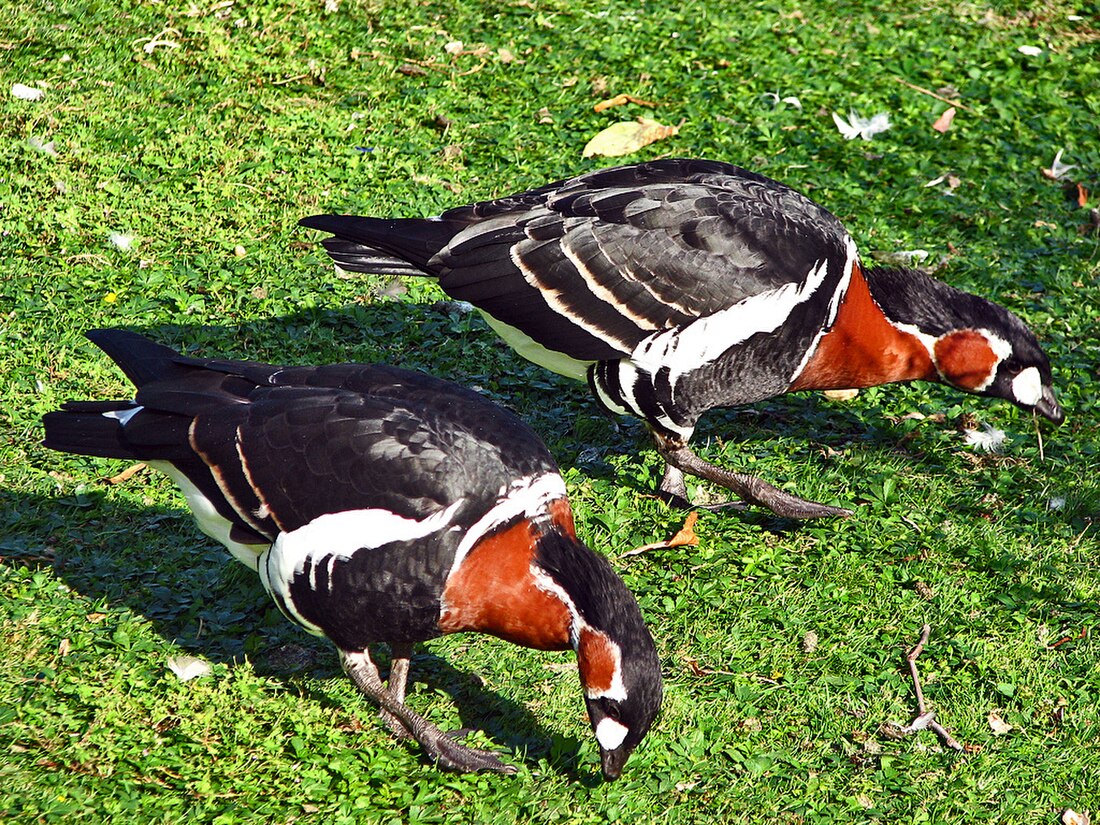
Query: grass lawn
{"points": [[200, 132]]}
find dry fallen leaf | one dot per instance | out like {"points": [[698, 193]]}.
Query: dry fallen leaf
{"points": [[627, 137], [841, 395], [1071, 817], [684, 536], [943, 122], [126, 474], [620, 100], [998, 725]]}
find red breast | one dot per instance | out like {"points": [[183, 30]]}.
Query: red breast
{"points": [[863, 349], [495, 590]]}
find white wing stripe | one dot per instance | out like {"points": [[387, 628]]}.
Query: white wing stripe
{"points": [[703, 341], [525, 496], [553, 299], [339, 536]]}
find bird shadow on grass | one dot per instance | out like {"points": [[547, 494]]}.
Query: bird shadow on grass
{"points": [[155, 563]]}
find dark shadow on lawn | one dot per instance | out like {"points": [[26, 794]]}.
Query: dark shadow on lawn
{"points": [[155, 563], [444, 340]]}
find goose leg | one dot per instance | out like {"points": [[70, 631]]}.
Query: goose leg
{"points": [[680, 458], [672, 488], [395, 685], [442, 750]]}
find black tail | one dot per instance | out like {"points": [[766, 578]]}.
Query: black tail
{"points": [[141, 359], [380, 246], [88, 428], [95, 427]]}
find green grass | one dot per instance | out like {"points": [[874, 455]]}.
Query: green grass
{"points": [[270, 111]]}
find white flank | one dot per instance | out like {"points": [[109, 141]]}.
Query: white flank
{"points": [[553, 299], [339, 536], [526, 347], [1027, 387], [527, 496], [700, 342], [210, 521], [123, 416]]}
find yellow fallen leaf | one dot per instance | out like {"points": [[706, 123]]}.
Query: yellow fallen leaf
{"points": [[627, 137], [841, 395]]}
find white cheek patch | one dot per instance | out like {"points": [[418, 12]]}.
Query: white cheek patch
{"points": [[610, 734], [1027, 387]]}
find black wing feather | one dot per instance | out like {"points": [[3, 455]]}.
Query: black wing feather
{"points": [[591, 266]]}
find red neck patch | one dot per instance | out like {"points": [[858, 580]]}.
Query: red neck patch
{"points": [[494, 591], [598, 660], [966, 359], [863, 349]]}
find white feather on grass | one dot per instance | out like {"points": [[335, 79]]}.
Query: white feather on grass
{"points": [[987, 440], [187, 668], [859, 126]]}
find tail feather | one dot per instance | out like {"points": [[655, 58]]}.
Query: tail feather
{"points": [[358, 258], [141, 359], [399, 246], [135, 429], [88, 429]]}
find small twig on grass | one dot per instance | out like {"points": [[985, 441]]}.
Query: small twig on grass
{"points": [[924, 91], [1039, 436], [924, 718], [1084, 632]]}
